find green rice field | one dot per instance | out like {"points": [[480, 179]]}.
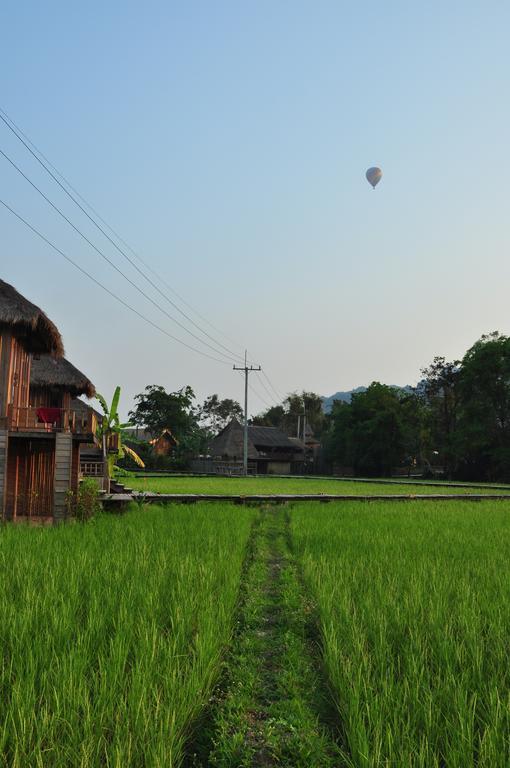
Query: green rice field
{"points": [[288, 485], [414, 612], [347, 635], [111, 634]]}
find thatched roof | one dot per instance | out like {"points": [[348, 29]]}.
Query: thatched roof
{"points": [[270, 437], [141, 435], [230, 441], [59, 373], [82, 408], [35, 330]]}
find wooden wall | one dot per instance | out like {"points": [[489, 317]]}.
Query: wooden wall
{"points": [[3, 468], [29, 478], [14, 373], [48, 397], [63, 469]]}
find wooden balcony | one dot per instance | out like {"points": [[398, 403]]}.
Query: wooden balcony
{"points": [[50, 420]]}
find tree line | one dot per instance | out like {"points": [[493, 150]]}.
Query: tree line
{"points": [[457, 420], [192, 425]]}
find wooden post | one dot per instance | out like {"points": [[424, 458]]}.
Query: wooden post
{"points": [[3, 471], [106, 474]]}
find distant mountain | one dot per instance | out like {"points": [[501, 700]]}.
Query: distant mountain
{"points": [[345, 397]]}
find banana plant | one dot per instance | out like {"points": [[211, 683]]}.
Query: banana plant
{"points": [[110, 433]]}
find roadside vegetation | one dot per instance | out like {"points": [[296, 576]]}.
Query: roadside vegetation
{"points": [[287, 485], [112, 633]]}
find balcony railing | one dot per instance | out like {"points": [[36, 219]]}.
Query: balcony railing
{"points": [[92, 468], [51, 420]]}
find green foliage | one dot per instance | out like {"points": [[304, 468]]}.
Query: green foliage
{"points": [[111, 430], [215, 413], [376, 432], [458, 417], [272, 693], [287, 485], [84, 504], [414, 615], [483, 429], [468, 410], [287, 415], [157, 410], [87, 501], [112, 634]]}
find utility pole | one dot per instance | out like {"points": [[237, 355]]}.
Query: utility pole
{"points": [[304, 433], [247, 370]]}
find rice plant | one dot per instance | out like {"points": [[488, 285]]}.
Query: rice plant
{"points": [[414, 606], [111, 634], [292, 485]]}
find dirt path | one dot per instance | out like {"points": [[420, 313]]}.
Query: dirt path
{"points": [[272, 705]]}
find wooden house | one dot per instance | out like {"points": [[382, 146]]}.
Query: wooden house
{"points": [[39, 432], [270, 451], [162, 444]]}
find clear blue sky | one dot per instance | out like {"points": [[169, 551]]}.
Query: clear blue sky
{"points": [[227, 142]]}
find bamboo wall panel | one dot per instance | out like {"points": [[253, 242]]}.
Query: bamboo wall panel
{"points": [[48, 397], [20, 375], [30, 471], [5, 371]]}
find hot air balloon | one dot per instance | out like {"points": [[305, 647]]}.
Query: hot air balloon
{"points": [[374, 176]]}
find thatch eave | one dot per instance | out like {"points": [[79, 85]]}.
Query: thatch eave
{"points": [[59, 373], [33, 328]]}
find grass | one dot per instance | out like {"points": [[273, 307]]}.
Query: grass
{"points": [[270, 706], [112, 633], [353, 635], [284, 485], [415, 618]]}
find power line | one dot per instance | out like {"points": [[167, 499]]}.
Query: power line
{"points": [[20, 136], [47, 165], [278, 395], [109, 261], [269, 392], [104, 288]]}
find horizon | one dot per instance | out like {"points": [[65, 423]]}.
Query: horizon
{"points": [[228, 146]]}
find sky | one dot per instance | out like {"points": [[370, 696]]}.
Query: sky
{"points": [[227, 144]]}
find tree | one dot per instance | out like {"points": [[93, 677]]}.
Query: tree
{"points": [[273, 417], [483, 428], [289, 414], [110, 434], [215, 413], [441, 393], [377, 431], [157, 410]]}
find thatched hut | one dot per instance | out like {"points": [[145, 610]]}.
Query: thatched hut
{"points": [[270, 451], [39, 433]]}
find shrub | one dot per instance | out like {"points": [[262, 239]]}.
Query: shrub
{"points": [[84, 504]]}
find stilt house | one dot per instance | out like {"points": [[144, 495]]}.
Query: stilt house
{"points": [[40, 434], [270, 451]]}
